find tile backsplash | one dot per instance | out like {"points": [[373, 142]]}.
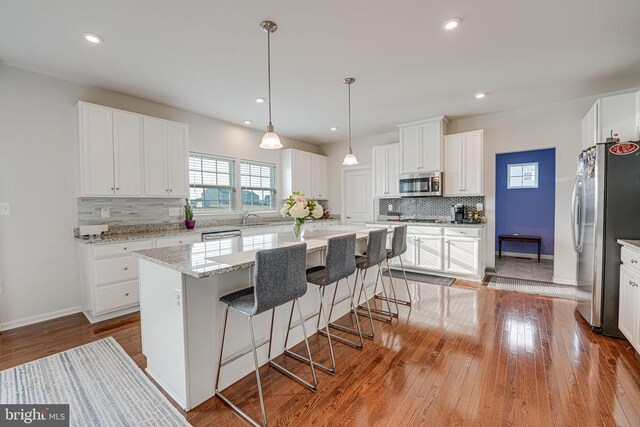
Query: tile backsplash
{"points": [[427, 207], [128, 211]]}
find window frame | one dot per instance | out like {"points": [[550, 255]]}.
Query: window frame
{"points": [[233, 187], [522, 165], [273, 188]]}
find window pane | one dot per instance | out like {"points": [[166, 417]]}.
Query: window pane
{"points": [[211, 181], [524, 175], [258, 186], [515, 181], [515, 171]]}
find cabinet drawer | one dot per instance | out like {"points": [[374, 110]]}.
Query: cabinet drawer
{"points": [[630, 258], [425, 231], [462, 232], [117, 249], [119, 269], [166, 242], [114, 297]]}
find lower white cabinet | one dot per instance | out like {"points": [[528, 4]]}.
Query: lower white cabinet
{"points": [[629, 309], [429, 250], [461, 256]]}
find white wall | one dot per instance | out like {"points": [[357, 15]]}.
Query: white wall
{"points": [[38, 272]]}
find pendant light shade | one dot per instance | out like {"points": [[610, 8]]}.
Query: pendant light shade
{"points": [[270, 140], [350, 159]]}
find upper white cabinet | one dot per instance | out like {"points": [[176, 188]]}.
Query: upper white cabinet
{"points": [[616, 113], [304, 172], [464, 166], [165, 158], [386, 164], [421, 145], [590, 127], [124, 154]]}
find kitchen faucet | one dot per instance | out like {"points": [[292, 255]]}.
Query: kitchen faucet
{"points": [[246, 215]]}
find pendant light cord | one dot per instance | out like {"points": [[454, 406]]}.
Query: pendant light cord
{"points": [[349, 87], [269, 70]]}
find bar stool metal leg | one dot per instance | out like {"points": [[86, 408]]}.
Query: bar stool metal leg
{"points": [[255, 360], [385, 298], [357, 331], [406, 284], [363, 289]]}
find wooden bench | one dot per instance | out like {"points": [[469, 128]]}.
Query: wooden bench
{"points": [[518, 238]]}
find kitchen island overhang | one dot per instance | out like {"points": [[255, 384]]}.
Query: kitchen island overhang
{"points": [[181, 317]]}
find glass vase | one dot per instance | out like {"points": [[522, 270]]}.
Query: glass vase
{"points": [[298, 229]]}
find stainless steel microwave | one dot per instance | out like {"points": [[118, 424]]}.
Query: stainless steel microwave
{"points": [[420, 184]]}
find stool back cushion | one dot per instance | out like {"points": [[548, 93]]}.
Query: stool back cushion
{"points": [[377, 246], [399, 241], [341, 257], [279, 276]]}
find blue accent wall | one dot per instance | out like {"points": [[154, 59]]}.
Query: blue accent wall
{"points": [[528, 211]]}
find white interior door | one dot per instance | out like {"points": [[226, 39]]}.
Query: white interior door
{"points": [[357, 198]]}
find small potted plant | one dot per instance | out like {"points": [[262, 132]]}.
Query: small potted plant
{"points": [[189, 222]]}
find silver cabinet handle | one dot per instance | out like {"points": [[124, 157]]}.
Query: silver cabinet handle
{"points": [[118, 188], [112, 188], [634, 261], [180, 241], [124, 249], [126, 268]]}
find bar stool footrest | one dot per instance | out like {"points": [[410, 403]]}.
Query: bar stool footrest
{"points": [[397, 301], [350, 330], [290, 374], [343, 340], [303, 359]]}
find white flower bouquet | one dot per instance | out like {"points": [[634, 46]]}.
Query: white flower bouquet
{"points": [[301, 209]]}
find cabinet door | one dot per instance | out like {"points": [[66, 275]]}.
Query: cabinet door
{"points": [[472, 162], [300, 166], [453, 165], [177, 137], [410, 149], [430, 253], [127, 153], [379, 171], [155, 157], [628, 311], [96, 144], [318, 176], [461, 256], [392, 168], [410, 257], [431, 146]]}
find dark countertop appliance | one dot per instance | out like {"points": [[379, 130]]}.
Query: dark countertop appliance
{"points": [[458, 213]]}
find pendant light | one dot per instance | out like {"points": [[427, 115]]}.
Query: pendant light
{"points": [[270, 140], [350, 158]]}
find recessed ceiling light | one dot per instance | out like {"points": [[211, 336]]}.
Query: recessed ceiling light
{"points": [[247, 122], [480, 95], [451, 24], [92, 38], [334, 128], [259, 100]]}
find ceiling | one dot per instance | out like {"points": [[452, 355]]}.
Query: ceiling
{"points": [[210, 56]]}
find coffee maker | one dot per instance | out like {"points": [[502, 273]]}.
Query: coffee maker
{"points": [[457, 213]]}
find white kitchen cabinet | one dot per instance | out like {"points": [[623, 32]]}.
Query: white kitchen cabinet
{"points": [[629, 303], [421, 145], [386, 164], [461, 256], [590, 126], [429, 249], [165, 158], [617, 113], [127, 153], [95, 131], [464, 165], [410, 257], [304, 172]]}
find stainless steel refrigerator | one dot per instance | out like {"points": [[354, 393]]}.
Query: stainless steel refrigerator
{"points": [[605, 207]]}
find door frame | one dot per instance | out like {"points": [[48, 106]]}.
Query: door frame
{"points": [[343, 207]]}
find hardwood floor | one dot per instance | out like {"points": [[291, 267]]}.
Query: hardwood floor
{"points": [[462, 355]]}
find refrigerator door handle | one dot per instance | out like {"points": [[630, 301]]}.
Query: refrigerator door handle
{"points": [[574, 215]]}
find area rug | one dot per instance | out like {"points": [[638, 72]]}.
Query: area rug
{"points": [[100, 382], [420, 277], [532, 287]]}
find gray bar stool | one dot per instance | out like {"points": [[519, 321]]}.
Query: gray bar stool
{"points": [[340, 263], [279, 278], [398, 247]]}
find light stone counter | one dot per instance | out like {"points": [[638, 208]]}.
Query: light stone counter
{"points": [[427, 224], [634, 245]]}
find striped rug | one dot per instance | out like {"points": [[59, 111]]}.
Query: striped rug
{"points": [[100, 382], [532, 287]]}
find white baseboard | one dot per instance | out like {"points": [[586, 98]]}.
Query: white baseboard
{"points": [[561, 281], [39, 318], [525, 255]]}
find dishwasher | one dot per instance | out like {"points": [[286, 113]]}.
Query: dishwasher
{"points": [[220, 234]]}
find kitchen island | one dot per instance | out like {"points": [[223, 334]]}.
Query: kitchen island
{"points": [[181, 317]]}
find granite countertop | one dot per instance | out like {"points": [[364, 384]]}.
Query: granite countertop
{"points": [[634, 245], [428, 224], [216, 257], [160, 232]]}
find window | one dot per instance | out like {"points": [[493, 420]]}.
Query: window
{"points": [[211, 183], [522, 175], [258, 186]]}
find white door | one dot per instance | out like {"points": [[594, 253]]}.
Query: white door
{"points": [[472, 169], [127, 153], [177, 159], [461, 256], [627, 322], [357, 196], [453, 165], [430, 252], [301, 162], [96, 133], [318, 176], [431, 146], [392, 168], [410, 149], [155, 157]]}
